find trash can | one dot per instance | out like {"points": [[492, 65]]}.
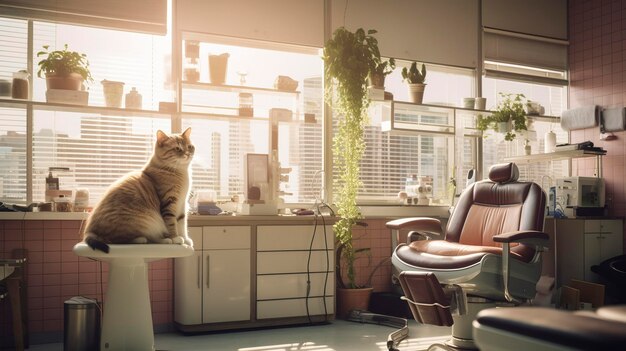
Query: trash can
{"points": [[81, 324]]}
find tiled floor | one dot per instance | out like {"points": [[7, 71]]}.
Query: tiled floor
{"points": [[337, 336]]}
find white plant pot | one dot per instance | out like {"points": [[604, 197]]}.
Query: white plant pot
{"points": [[504, 127], [416, 92]]}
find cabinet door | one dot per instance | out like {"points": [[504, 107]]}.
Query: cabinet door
{"points": [[226, 286], [603, 240], [188, 283]]}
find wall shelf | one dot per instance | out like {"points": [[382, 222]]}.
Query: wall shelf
{"points": [[555, 156]]}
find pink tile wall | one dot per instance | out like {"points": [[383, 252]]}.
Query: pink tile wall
{"points": [[56, 274], [377, 238], [597, 60]]}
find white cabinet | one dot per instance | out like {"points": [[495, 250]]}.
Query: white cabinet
{"points": [[295, 271], [582, 243], [267, 272], [213, 285]]}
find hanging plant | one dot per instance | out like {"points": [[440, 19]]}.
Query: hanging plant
{"points": [[510, 110], [348, 57]]}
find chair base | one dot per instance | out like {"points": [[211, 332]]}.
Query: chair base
{"points": [[431, 304]]}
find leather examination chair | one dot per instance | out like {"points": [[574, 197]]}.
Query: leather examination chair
{"points": [[546, 329], [490, 254]]}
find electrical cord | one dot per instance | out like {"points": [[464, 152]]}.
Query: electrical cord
{"points": [[317, 214]]}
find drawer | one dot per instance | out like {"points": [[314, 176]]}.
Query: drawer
{"points": [[294, 262], [295, 307], [281, 286], [226, 237], [602, 226], [294, 237]]}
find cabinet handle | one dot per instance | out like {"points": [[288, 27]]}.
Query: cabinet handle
{"points": [[208, 274], [199, 275]]}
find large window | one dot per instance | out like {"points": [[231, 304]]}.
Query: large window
{"points": [[250, 114], [423, 153], [95, 146], [534, 84]]}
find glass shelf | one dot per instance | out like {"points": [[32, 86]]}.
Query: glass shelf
{"points": [[405, 116], [46, 106], [236, 88]]}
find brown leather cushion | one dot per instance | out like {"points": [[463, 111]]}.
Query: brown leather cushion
{"points": [[441, 254], [504, 172], [555, 326]]}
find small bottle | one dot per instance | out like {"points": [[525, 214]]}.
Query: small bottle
{"points": [[52, 183], [549, 142], [245, 105], [133, 99], [527, 147]]}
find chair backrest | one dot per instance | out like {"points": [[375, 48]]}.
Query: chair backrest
{"points": [[498, 205]]}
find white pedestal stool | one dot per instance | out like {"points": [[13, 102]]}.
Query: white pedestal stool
{"points": [[127, 316]]}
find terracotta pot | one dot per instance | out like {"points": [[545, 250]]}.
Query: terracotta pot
{"points": [[352, 299], [377, 80], [217, 68], [73, 81]]}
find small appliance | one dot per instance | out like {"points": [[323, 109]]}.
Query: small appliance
{"points": [[581, 196]]}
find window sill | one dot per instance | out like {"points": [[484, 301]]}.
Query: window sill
{"points": [[41, 216]]}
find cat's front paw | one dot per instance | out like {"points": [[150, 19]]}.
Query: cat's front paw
{"points": [[188, 241], [178, 240]]}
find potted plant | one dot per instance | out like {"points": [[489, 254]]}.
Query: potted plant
{"points": [[63, 69], [509, 116], [379, 70], [348, 57], [415, 80]]}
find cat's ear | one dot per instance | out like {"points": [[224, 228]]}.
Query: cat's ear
{"points": [[187, 133], [161, 137]]}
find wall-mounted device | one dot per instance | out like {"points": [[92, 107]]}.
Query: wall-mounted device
{"points": [[581, 196]]}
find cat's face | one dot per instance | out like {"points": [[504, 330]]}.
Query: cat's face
{"points": [[175, 149]]}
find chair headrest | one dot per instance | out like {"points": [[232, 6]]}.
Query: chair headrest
{"points": [[504, 173]]}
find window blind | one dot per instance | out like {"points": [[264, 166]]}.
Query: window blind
{"points": [[13, 162], [148, 16], [96, 149], [524, 50], [444, 32]]}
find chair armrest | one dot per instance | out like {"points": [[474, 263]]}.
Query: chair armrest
{"points": [[420, 224], [419, 227], [529, 237]]}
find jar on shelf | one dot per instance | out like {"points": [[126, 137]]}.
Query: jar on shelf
{"points": [[192, 49], [133, 99], [62, 204], [191, 72], [245, 105], [20, 85]]}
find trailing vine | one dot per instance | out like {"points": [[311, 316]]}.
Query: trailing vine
{"points": [[348, 57]]}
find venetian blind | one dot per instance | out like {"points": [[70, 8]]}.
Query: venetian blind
{"points": [[13, 53], [149, 16]]}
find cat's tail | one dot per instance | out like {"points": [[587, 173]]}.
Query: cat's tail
{"points": [[96, 244]]}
